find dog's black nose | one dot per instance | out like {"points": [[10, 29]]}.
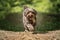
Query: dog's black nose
{"points": [[31, 15]]}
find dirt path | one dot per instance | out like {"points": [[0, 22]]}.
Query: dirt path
{"points": [[8, 35]]}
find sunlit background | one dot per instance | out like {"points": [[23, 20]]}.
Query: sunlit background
{"points": [[48, 17]]}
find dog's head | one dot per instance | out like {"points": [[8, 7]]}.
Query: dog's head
{"points": [[29, 12]]}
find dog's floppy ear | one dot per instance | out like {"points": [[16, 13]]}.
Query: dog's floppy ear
{"points": [[25, 7], [35, 11]]}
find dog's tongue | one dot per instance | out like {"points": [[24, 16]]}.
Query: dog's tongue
{"points": [[31, 19]]}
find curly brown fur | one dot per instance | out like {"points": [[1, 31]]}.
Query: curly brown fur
{"points": [[29, 18]]}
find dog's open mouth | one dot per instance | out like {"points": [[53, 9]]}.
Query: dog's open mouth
{"points": [[30, 18]]}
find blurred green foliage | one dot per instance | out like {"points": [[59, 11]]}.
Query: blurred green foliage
{"points": [[48, 22], [11, 14]]}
